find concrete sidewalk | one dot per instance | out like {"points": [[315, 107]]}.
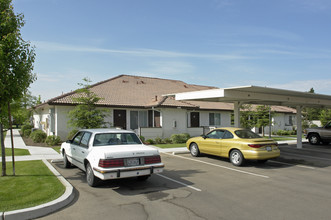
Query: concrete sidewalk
{"points": [[44, 154], [36, 153]]}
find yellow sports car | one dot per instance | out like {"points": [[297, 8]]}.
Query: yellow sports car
{"points": [[238, 144]]}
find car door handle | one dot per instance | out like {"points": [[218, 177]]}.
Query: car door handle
{"points": [[83, 152], [217, 142], [74, 148]]}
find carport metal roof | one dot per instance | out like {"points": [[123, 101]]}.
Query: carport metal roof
{"points": [[261, 95]]}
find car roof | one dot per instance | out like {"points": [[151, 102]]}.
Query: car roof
{"points": [[106, 130], [230, 128]]}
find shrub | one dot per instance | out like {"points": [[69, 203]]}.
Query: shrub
{"points": [[149, 141], [167, 140], [38, 136], [71, 134], [158, 140], [26, 127], [142, 138], [179, 138], [53, 140], [26, 133]]}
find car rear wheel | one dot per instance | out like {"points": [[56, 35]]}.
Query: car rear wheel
{"points": [[194, 150], [90, 178], [314, 139], [236, 158], [66, 162]]}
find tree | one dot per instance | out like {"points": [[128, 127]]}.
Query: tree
{"points": [[247, 117], [310, 114], [325, 116], [85, 114], [16, 65], [263, 116], [22, 108]]}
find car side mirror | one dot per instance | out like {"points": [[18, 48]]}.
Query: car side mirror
{"points": [[204, 136], [69, 141]]}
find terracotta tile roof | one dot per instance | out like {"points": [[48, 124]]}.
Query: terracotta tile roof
{"points": [[144, 92]]}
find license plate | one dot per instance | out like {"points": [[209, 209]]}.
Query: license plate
{"points": [[132, 162], [269, 148]]}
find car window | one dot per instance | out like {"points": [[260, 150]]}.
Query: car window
{"points": [[247, 134], [216, 134], [77, 138], [227, 135], [85, 139], [104, 139]]}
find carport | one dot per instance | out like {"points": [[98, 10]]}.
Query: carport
{"points": [[261, 96]]}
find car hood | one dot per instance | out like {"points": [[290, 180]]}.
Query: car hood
{"points": [[123, 151]]}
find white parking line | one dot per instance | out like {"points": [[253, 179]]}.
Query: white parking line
{"points": [[302, 166], [216, 165], [168, 178]]}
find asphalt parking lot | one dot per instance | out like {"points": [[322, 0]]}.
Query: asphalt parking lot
{"points": [[295, 186]]}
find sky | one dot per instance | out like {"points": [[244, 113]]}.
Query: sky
{"points": [[282, 44]]}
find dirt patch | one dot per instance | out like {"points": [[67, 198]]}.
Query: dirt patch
{"points": [[29, 142]]}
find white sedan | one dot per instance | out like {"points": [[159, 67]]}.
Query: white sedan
{"points": [[110, 154]]}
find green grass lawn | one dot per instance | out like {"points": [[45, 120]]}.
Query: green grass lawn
{"points": [[17, 152], [34, 184], [57, 148]]}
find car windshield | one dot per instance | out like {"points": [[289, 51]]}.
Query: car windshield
{"points": [[115, 139], [247, 134]]}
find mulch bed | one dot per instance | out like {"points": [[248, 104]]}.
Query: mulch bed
{"points": [[29, 142]]}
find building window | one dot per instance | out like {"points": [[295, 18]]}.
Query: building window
{"points": [[138, 119], [154, 119], [290, 120], [214, 119]]}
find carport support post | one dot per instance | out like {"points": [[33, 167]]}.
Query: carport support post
{"points": [[236, 111], [299, 127]]}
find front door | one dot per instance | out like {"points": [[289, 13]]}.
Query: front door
{"points": [[195, 119], [120, 118]]}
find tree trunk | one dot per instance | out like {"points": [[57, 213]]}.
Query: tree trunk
{"points": [[3, 152], [12, 139]]}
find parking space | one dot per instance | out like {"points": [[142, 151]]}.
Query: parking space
{"points": [[207, 187]]}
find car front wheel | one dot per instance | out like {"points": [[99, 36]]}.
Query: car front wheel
{"points": [[314, 139], [194, 150], [236, 158], [90, 178]]}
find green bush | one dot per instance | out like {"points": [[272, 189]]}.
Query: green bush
{"points": [[71, 134], [26, 127], [26, 133], [142, 138], [38, 136], [167, 140], [53, 140], [158, 140], [179, 138], [284, 132], [150, 141]]}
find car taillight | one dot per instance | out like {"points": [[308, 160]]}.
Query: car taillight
{"points": [[152, 159], [255, 145], [111, 163], [262, 145]]}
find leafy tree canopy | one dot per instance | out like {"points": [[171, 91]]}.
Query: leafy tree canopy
{"points": [[16, 56], [85, 114]]}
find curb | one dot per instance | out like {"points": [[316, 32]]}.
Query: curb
{"points": [[47, 208]]}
